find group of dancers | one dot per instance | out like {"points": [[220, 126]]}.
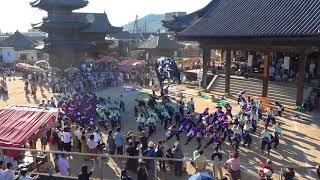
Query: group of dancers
{"points": [[213, 127]]}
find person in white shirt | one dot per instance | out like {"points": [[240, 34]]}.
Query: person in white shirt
{"points": [[1, 171], [78, 135], [8, 174], [67, 139], [64, 166]]}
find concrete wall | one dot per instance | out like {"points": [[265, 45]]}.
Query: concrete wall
{"points": [[8, 54]]}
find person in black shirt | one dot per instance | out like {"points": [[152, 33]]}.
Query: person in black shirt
{"points": [[217, 157], [124, 175], [84, 175], [142, 173], [289, 174]]}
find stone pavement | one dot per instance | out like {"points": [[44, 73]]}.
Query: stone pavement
{"points": [[299, 145]]}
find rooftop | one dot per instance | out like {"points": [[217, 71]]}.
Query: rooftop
{"points": [[125, 35], [258, 18], [182, 22], [19, 42], [161, 41], [60, 4]]}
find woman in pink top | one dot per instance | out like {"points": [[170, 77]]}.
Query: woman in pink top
{"points": [[233, 166]]}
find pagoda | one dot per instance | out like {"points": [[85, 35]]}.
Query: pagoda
{"points": [[72, 35]]}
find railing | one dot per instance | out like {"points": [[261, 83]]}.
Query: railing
{"points": [[249, 170]]}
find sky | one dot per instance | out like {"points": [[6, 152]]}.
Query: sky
{"points": [[19, 15]]}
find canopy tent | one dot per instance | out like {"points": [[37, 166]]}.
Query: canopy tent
{"points": [[19, 123]]}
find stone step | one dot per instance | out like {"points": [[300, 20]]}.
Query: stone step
{"points": [[276, 92], [257, 90], [249, 83]]}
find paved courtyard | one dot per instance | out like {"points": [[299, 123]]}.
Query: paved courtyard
{"points": [[299, 146]]}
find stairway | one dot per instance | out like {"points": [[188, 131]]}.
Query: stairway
{"points": [[285, 94]]}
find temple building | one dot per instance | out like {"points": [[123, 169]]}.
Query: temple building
{"points": [[72, 35], [19, 47], [267, 26]]}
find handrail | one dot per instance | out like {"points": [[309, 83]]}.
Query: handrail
{"points": [[142, 157]]}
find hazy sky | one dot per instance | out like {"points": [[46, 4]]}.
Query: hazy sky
{"points": [[18, 14]]}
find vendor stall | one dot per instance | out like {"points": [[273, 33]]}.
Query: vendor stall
{"points": [[18, 124]]}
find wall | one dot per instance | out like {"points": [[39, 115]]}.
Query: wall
{"points": [[30, 54], [9, 55]]}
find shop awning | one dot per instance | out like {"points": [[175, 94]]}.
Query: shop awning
{"points": [[19, 123]]}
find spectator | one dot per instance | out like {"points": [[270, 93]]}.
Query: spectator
{"points": [[92, 145], [84, 175], [217, 157], [132, 150], [201, 165], [24, 176], [160, 153], [289, 174], [8, 174], [1, 170], [142, 173], [177, 154], [67, 139], [195, 154], [119, 141], [151, 163], [111, 143], [44, 142], [64, 166], [124, 175], [233, 165], [266, 170]]}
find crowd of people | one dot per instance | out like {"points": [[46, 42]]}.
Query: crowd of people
{"points": [[83, 116]]}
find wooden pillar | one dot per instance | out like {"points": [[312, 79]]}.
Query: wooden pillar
{"points": [[228, 71], [300, 80], [205, 65], [266, 62]]}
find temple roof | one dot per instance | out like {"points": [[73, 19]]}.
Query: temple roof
{"points": [[19, 41], [258, 18], [180, 23], [98, 22], [161, 41], [59, 4], [125, 35]]}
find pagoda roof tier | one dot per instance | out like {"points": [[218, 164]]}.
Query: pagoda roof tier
{"points": [[55, 26], [59, 4], [180, 23], [98, 22], [78, 45], [84, 22]]}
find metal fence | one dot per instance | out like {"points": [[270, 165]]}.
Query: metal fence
{"points": [[109, 166]]}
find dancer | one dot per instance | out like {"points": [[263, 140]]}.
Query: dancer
{"points": [[266, 140]]}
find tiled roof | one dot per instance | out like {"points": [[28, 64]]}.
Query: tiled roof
{"points": [[65, 4], [161, 41], [125, 35], [244, 18], [98, 22], [19, 42], [182, 22]]}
